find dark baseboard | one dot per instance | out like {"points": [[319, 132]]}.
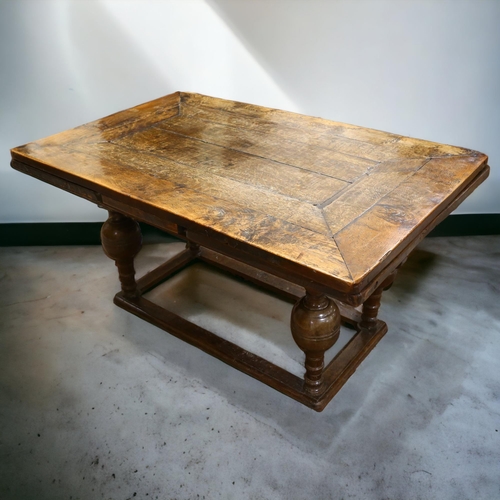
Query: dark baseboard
{"points": [[87, 233], [66, 233], [468, 225]]}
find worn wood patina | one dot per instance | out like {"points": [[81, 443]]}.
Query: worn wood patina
{"points": [[310, 208]]}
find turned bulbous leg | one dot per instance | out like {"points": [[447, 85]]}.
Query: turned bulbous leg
{"points": [[121, 241], [372, 305], [315, 326]]}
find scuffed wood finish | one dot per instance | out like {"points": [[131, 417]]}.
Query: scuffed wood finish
{"points": [[316, 196], [320, 212]]}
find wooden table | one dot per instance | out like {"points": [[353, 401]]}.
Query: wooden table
{"points": [[320, 212]]}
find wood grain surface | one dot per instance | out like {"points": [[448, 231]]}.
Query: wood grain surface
{"points": [[338, 201]]}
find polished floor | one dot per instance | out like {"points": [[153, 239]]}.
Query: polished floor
{"points": [[95, 403]]}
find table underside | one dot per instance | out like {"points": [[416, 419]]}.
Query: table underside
{"points": [[335, 374]]}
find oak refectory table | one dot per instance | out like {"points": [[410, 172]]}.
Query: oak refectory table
{"points": [[320, 212]]}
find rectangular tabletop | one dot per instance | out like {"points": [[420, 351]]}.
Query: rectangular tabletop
{"points": [[333, 201]]}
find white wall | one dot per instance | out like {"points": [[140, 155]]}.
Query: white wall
{"points": [[428, 69]]}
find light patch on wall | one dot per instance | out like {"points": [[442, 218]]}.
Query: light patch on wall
{"points": [[190, 44]]}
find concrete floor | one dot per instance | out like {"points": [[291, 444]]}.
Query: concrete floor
{"points": [[95, 403]]}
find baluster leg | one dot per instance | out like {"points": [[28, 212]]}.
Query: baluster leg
{"points": [[315, 325], [121, 241], [372, 305]]}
